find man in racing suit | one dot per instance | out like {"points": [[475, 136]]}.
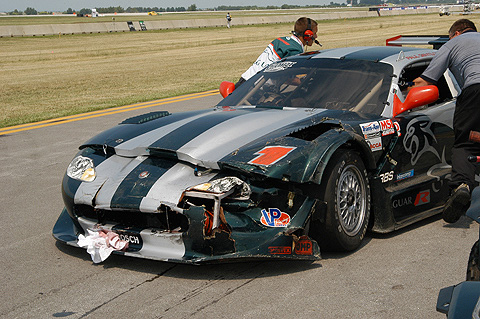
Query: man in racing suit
{"points": [[305, 33], [461, 54]]}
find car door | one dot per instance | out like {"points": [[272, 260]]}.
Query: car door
{"points": [[420, 159]]}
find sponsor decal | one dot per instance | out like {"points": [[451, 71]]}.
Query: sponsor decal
{"points": [[304, 246], [422, 198], [418, 56], [387, 127], [397, 126], [131, 239], [143, 174], [370, 128], [135, 242], [274, 217], [386, 177], [396, 203], [271, 154], [275, 67], [405, 175], [375, 143], [280, 250]]}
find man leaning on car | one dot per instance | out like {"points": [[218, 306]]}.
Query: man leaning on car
{"points": [[461, 54]]}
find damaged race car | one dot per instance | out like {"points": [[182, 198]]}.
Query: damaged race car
{"points": [[308, 154]]}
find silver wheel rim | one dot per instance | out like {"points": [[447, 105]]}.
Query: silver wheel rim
{"points": [[351, 200]]}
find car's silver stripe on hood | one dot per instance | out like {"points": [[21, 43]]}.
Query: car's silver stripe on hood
{"points": [[217, 142], [138, 145], [107, 191], [169, 188], [87, 191]]}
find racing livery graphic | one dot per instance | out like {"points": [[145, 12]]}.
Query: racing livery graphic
{"points": [[306, 155]]}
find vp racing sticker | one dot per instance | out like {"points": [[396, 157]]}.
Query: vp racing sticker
{"points": [[274, 217]]}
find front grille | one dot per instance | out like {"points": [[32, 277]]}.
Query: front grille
{"points": [[164, 220]]}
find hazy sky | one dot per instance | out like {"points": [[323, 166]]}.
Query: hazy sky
{"points": [[62, 5]]}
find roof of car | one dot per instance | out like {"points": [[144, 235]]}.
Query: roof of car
{"points": [[398, 56]]}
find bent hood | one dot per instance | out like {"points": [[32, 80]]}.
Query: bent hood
{"points": [[205, 137]]}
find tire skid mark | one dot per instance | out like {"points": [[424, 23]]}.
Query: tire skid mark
{"points": [[218, 278], [229, 292], [127, 291]]}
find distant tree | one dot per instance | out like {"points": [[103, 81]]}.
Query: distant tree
{"points": [[30, 11], [69, 11], [192, 7], [85, 11], [15, 12]]}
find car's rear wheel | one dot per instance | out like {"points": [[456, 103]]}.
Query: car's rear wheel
{"points": [[347, 194], [473, 269]]}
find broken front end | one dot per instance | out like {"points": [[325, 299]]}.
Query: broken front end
{"points": [[222, 217]]}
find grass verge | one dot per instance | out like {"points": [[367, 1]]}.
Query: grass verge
{"points": [[47, 77]]}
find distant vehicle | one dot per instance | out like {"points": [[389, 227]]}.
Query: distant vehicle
{"points": [[444, 11], [152, 13]]}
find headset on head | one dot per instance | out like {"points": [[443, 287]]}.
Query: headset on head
{"points": [[308, 33]]}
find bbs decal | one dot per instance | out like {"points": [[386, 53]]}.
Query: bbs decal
{"points": [[386, 177]]}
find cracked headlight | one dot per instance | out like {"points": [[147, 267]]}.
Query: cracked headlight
{"points": [[81, 168], [223, 185]]}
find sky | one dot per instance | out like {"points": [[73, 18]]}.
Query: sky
{"points": [[63, 5]]}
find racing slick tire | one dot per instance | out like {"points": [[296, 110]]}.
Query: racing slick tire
{"points": [[473, 268], [347, 194]]}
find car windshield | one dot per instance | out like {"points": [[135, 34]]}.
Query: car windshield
{"points": [[340, 84]]}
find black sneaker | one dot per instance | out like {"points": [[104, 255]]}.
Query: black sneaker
{"points": [[457, 204]]}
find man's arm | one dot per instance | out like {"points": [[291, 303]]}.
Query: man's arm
{"points": [[420, 82]]}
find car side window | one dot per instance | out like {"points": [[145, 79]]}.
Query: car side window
{"points": [[414, 70]]}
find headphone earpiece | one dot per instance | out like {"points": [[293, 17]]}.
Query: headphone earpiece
{"points": [[308, 33]]}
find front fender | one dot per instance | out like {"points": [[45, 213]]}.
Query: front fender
{"points": [[326, 145]]}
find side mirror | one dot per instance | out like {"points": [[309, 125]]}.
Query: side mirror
{"points": [[226, 88], [417, 96]]}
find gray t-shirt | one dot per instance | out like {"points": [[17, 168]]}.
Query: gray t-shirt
{"points": [[462, 56]]}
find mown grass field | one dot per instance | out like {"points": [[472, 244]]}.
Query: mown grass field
{"points": [[47, 77]]}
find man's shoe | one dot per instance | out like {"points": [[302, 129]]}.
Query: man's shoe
{"points": [[457, 204]]}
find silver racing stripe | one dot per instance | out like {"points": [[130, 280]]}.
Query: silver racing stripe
{"points": [[169, 188], [87, 191], [222, 139], [138, 145], [107, 191]]}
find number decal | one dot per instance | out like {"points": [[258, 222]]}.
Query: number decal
{"points": [[271, 154], [386, 177]]}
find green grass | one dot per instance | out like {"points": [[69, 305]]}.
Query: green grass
{"points": [[47, 77]]}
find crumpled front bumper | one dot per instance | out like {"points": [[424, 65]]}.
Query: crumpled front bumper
{"points": [[245, 238]]}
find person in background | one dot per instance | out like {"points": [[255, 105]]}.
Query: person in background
{"points": [[304, 34], [229, 19], [461, 54]]}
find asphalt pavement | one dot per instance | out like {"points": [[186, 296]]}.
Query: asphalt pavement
{"points": [[397, 275]]}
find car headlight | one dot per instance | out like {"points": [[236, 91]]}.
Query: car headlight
{"points": [[225, 184], [81, 168]]}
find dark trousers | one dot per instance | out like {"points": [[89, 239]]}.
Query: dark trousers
{"points": [[465, 119]]}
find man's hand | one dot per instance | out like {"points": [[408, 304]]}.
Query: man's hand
{"points": [[418, 82]]}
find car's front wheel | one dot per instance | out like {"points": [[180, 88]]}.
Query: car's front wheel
{"points": [[347, 194]]}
